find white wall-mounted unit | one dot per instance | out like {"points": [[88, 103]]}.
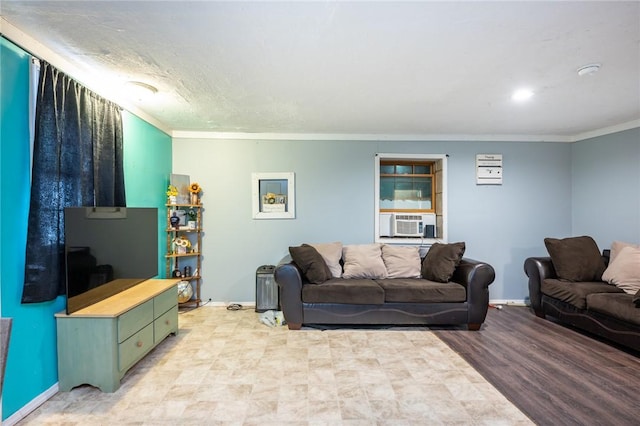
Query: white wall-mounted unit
{"points": [[489, 169]]}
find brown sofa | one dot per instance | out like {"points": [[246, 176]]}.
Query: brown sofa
{"points": [[462, 299], [592, 305]]}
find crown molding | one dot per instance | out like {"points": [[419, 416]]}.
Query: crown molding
{"points": [[606, 130], [184, 134]]}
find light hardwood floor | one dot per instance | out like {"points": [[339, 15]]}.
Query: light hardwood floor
{"points": [[225, 367]]}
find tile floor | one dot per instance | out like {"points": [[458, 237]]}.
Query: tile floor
{"points": [[225, 367]]}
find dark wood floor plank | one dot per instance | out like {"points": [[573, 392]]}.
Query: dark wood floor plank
{"points": [[553, 373]]}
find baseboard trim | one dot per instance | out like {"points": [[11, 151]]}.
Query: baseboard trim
{"points": [[225, 304], [31, 406], [510, 302]]}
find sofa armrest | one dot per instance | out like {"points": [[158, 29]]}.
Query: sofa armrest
{"points": [[538, 269], [289, 278], [476, 276]]}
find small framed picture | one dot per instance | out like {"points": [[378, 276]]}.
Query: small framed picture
{"points": [[273, 195]]}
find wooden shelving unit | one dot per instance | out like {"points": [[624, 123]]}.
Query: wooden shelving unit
{"points": [[177, 257]]}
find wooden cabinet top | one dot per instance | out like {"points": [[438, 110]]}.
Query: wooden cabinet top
{"points": [[120, 303]]}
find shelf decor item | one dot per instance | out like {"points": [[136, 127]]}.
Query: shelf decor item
{"points": [[172, 193], [181, 244], [193, 219], [185, 291], [195, 189], [174, 220], [181, 183]]}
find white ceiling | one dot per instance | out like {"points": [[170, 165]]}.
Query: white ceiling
{"points": [[352, 68]]}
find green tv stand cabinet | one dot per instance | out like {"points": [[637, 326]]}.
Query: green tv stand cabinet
{"points": [[98, 344]]}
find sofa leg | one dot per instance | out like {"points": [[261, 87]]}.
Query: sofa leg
{"points": [[539, 314], [294, 326], [473, 327]]}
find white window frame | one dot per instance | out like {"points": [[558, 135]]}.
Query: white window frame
{"points": [[443, 238]]}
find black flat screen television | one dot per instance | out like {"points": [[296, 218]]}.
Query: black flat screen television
{"points": [[108, 250]]}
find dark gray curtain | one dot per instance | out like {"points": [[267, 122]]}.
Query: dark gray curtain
{"points": [[77, 161]]}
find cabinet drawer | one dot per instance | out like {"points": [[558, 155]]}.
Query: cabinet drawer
{"points": [[165, 324], [135, 347], [134, 320], [165, 301]]}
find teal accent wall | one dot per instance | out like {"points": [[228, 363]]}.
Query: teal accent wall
{"points": [[147, 167], [32, 360]]}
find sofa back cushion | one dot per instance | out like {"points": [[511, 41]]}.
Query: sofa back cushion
{"points": [[310, 263], [616, 246], [331, 253], [576, 258], [624, 270], [401, 261], [363, 261], [441, 261]]}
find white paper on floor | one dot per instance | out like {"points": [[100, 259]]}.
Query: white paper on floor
{"points": [[272, 318]]}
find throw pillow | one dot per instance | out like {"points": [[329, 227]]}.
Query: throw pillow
{"points": [[616, 246], [441, 261], [636, 299], [331, 253], [310, 263], [576, 258], [624, 271], [363, 261], [401, 261]]}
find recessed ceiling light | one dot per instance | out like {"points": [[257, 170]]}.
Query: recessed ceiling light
{"points": [[139, 90], [521, 95], [588, 69]]}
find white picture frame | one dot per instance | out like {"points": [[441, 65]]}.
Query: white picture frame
{"points": [[273, 195]]}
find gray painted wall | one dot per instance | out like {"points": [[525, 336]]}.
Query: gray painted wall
{"points": [[606, 188], [501, 225]]}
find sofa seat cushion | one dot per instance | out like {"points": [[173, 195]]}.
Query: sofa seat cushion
{"points": [[618, 305], [339, 290], [575, 293], [412, 290]]}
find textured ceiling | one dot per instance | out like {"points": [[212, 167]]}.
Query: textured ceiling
{"points": [[375, 68]]}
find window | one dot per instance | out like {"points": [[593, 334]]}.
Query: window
{"points": [[406, 186], [410, 198]]}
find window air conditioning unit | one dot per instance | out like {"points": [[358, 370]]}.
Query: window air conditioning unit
{"points": [[407, 225]]}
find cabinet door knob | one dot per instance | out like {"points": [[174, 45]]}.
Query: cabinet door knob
{"points": [[167, 322], [139, 344]]}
